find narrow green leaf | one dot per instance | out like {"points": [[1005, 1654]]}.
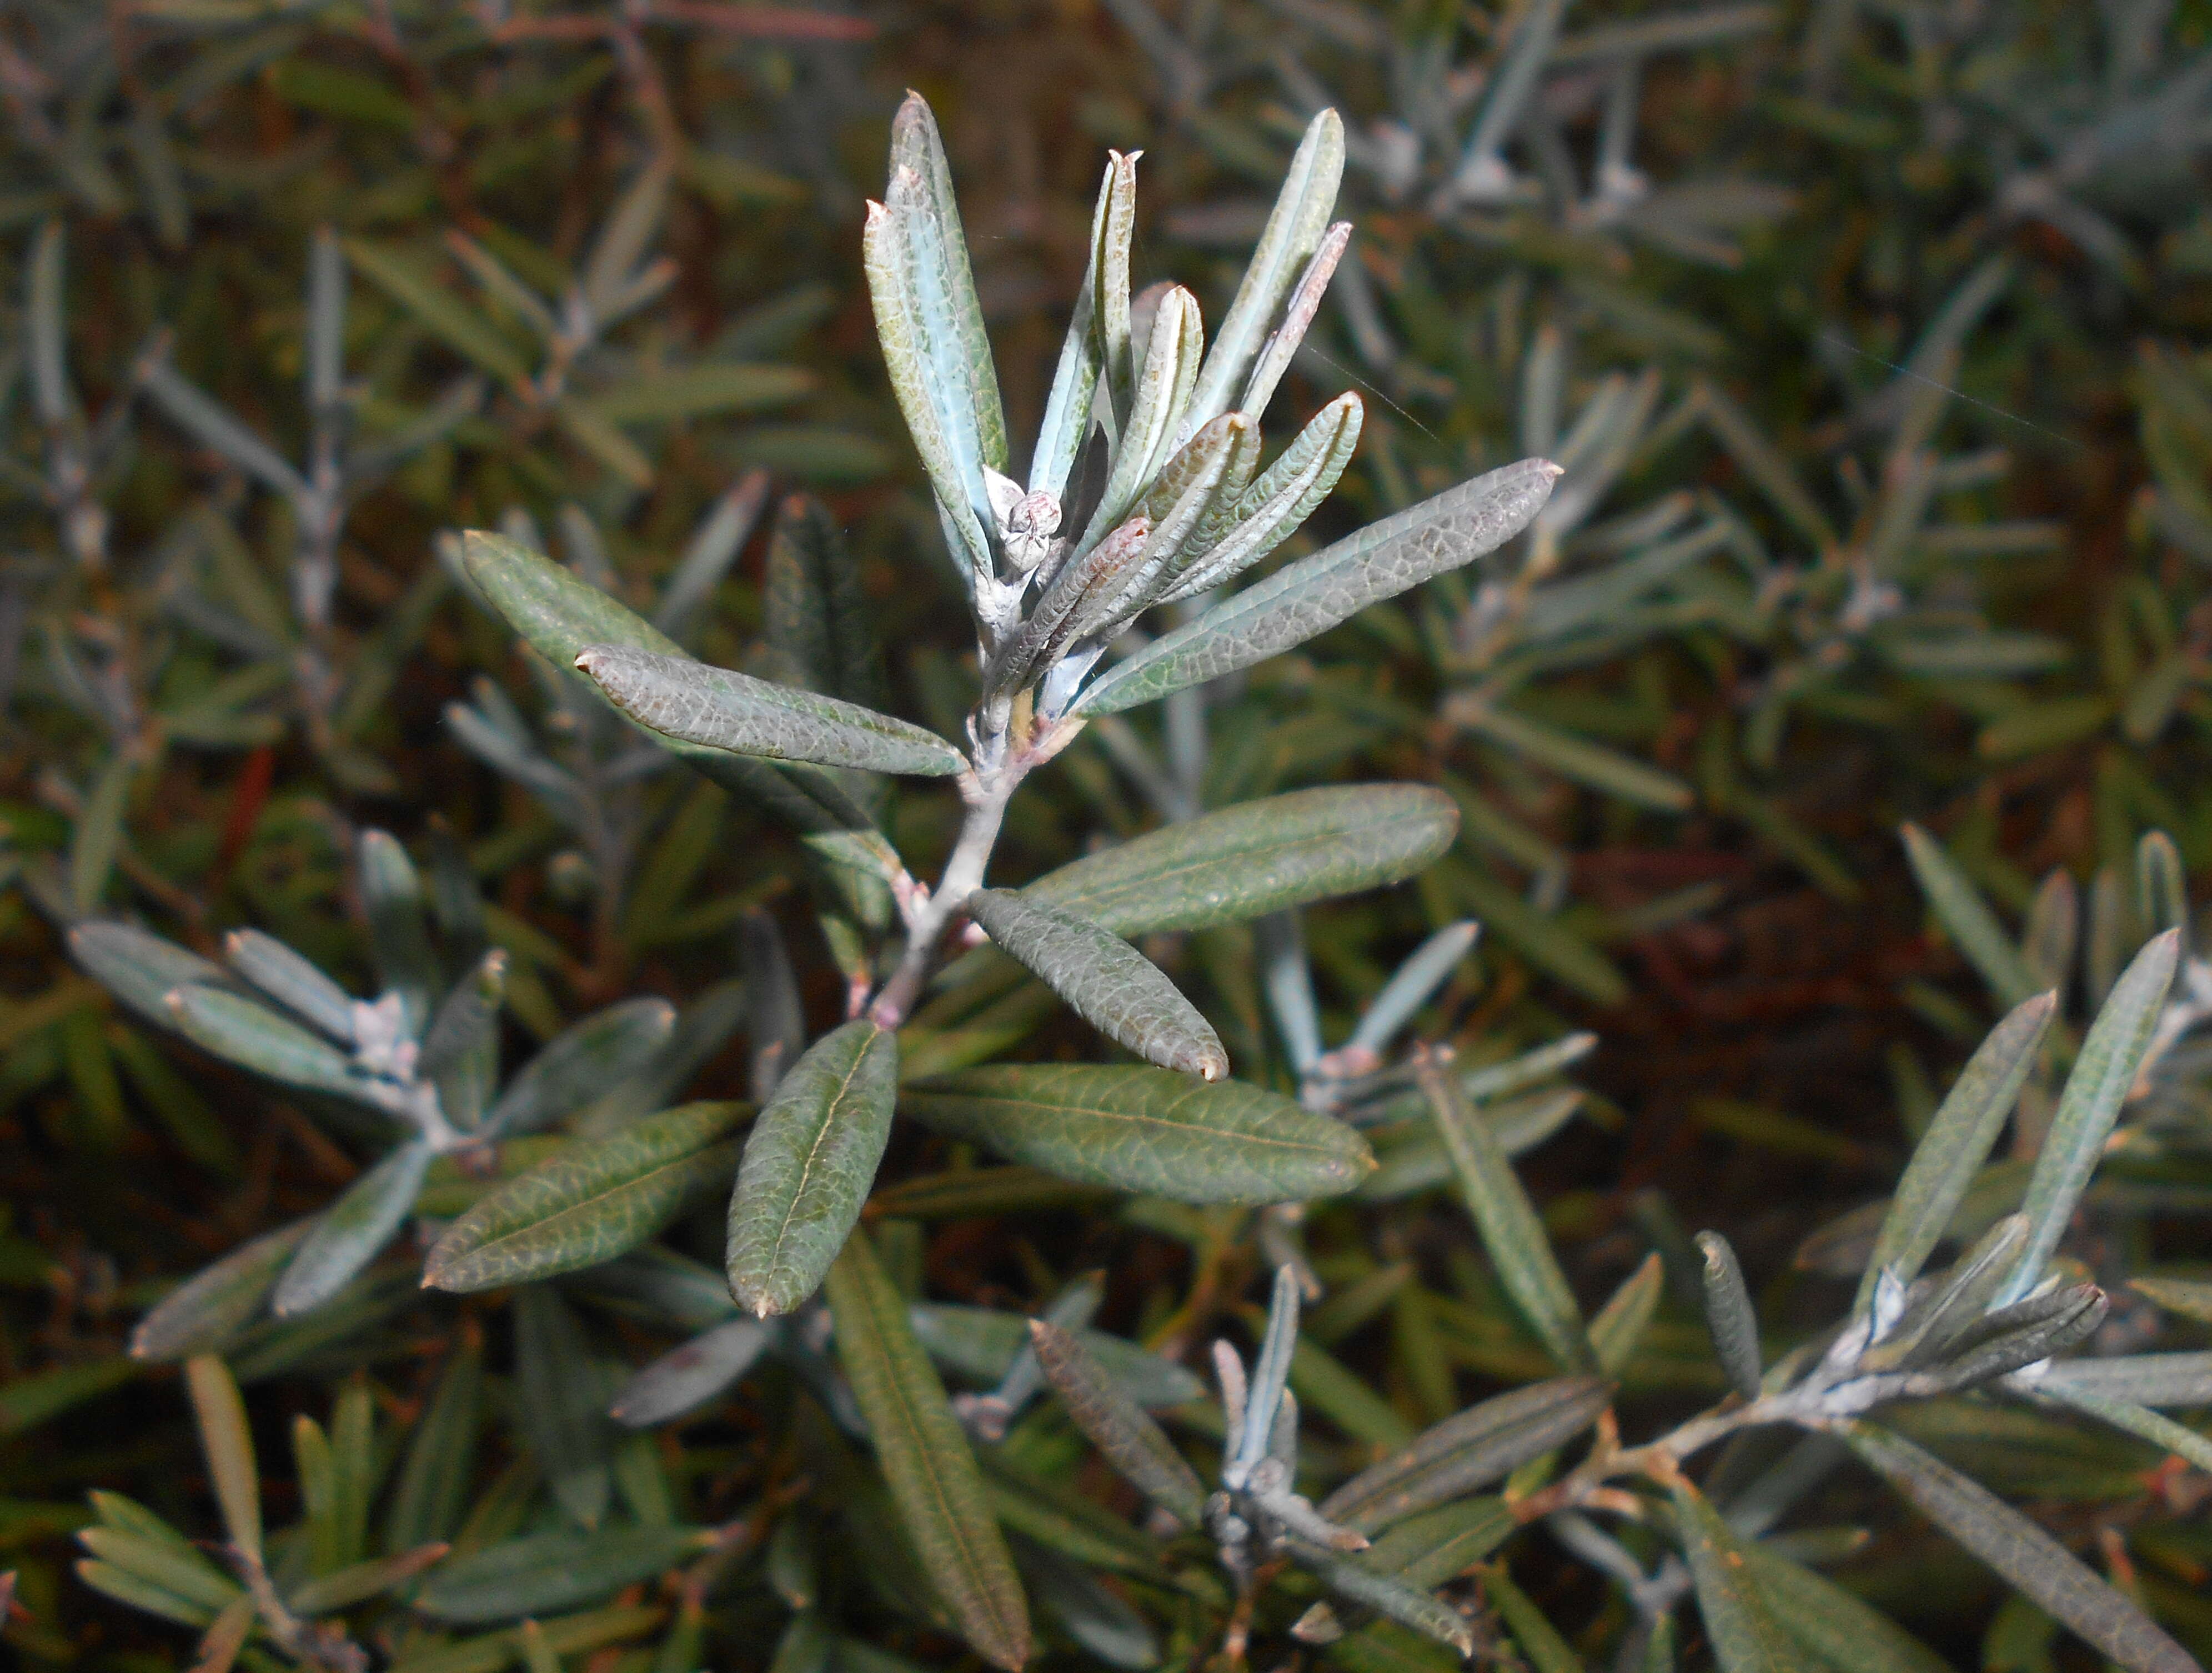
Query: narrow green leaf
{"points": [[1605, 770], [1116, 1425], [580, 1064], [957, 316], [202, 1314], [1729, 1315], [1163, 389], [1511, 1231], [566, 1635], [720, 710], [563, 1404], [438, 310], [692, 391], [98, 837], [1350, 1577], [589, 1202], [546, 1572], [292, 980], [1956, 1144], [815, 609], [1830, 1623], [1746, 1636], [808, 1166], [2037, 1565], [398, 925], [1481, 1444], [349, 1234], [228, 1443], [439, 1469], [1294, 231], [1539, 1640], [176, 1568], [359, 1582], [925, 1458], [1438, 1545], [1066, 424], [27, 1402], [1967, 918], [1257, 857], [2148, 1379], [981, 1345], [1316, 594], [1620, 1326], [1105, 980], [2189, 1298], [1148, 1131], [1236, 533], [140, 968], [2102, 1075], [2131, 1418]]}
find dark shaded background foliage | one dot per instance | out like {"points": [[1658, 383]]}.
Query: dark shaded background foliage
{"points": [[1759, 1037]]}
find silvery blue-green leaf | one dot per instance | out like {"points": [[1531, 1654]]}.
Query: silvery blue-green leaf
{"points": [[719, 709], [1233, 538], [2047, 940], [1294, 231], [349, 1234], [1740, 1619], [253, 1037], [2127, 1415], [1066, 424], [808, 1165], [1729, 1315], [592, 1200], [956, 316], [1163, 392], [2189, 1298], [2161, 885], [1349, 1577], [2102, 1075], [1105, 980], [562, 1403], [982, 1345], [202, 1314], [541, 1573], [1511, 1231], [1271, 1375], [714, 548], [1429, 1550], [1967, 918], [1288, 977], [1075, 593], [1198, 482], [1303, 303], [1113, 229], [682, 1380], [560, 615], [1147, 1130], [2148, 1379], [1481, 1444], [1953, 1303], [1571, 758], [432, 1494], [292, 980], [2035, 1564], [1425, 970], [1957, 1142], [582, 1063], [1316, 594], [460, 1053], [1117, 1425], [1830, 1624], [399, 930], [1256, 857], [140, 970], [211, 424], [438, 311], [925, 1459]]}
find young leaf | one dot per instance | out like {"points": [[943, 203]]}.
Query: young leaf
{"points": [[140, 970], [1956, 1145], [349, 1234], [228, 1445], [808, 1165], [1481, 1444], [1256, 858], [1729, 1315], [1745, 1637], [251, 1035], [542, 1573], [1105, 980], [1067, 409], [1232, 537], [292, 980], [202, 1314], [1316, 594], [1117, 1425], [2099, 1085], [717, 708], [588, 1203], [585, 1060], [925, 1458], [1512, 1231], [2037, 1565], [1148, 1131], [399, 926]]}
